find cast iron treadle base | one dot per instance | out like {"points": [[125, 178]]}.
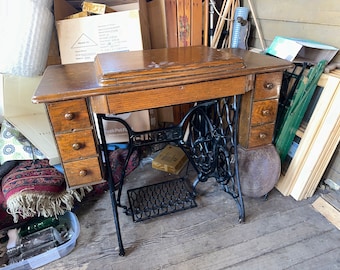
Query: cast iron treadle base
{"points": [[160, 199]]}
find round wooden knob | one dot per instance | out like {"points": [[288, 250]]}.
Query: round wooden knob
{"points": [[76, 146], [265, 112], [263, 135], [82, 172], [268, 86], [69, 116]]}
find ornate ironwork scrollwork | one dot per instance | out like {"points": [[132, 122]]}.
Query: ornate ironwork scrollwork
{"points": [[210, 143]]}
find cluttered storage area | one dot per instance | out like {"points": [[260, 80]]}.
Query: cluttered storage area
{"points": [[169, 134]]}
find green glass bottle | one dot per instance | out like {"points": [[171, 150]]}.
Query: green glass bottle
{"points": [[38, 224]]}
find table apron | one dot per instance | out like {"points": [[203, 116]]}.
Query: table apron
{"points": [[168, 96]]}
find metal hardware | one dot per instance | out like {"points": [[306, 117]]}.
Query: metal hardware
{"points": [[242, 21], [262, 135], [69, 116], [268, 86], [160, 199], [76, 146], [82, 172], [265, 112]]}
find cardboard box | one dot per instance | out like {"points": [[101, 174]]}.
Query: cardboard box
{"points": [[300, 50], [81, 39], [116, 132]]}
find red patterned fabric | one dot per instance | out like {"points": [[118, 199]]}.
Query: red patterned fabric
{"points": [[36, 176], [35, 188], [117, 159]]}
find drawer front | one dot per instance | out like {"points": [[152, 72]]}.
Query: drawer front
{"points": [[261, 135], [76, 145], [83, 172], [69, 115], [173, 95], [264, 112], [267, 85]]}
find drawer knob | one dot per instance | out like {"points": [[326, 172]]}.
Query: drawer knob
{"points": [[268, 86], [265, 112], [76, 146], [82, 172], [263, 135], [69, 116]]}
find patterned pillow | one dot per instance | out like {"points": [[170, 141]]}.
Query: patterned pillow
{"points": [[14, 146]]}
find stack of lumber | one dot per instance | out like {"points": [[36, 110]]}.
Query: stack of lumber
{"points": [[317, 145]]}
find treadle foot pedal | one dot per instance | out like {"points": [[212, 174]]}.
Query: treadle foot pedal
{"points": [[160, 199]]}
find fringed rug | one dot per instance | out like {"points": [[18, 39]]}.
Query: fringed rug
{"points": [[35, 188]]}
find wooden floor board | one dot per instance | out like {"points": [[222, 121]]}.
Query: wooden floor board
{"points": [[279, 233], [290, 256]]}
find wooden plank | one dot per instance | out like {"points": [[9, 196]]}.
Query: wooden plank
{"points": [[333, 198], [299, 255], [325, 138], [196, 22], [286, 183], [321, 166], [183, 23], [323, 80], [171, 22], [205, 22], [187, 22], [328, 211], [157, 23], [214, 257]]}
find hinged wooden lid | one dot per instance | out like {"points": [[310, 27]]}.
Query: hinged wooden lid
{"points": [[171, 64]]}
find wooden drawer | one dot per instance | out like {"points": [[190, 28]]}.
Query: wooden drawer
{"points": [[267, 85], [76, 145], [264, 112], [261, 135], [69, 115], [173, 95], [83, 172]]}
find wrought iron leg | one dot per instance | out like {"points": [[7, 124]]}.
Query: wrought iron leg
{"points": [[111, 185], [238, 198], [116, 217]]}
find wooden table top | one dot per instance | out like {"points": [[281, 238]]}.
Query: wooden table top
{"points": [[120, 72]]}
